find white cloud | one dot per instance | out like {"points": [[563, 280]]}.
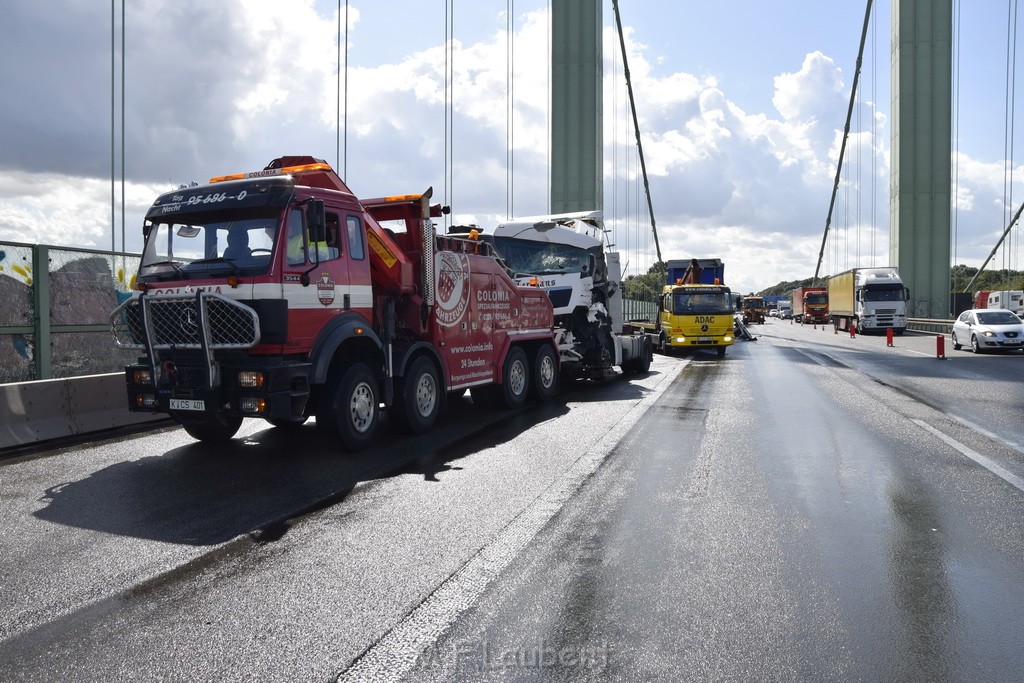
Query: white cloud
{"points": [[803, 95], [226, 87]]}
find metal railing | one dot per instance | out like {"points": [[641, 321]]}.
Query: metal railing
{"points": [[55, 321], [934, 325]]}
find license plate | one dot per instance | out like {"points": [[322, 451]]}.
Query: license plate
{"points": [[187, 404], [703, 340]]}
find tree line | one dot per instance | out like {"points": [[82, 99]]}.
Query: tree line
{"points": [[647, 286]]}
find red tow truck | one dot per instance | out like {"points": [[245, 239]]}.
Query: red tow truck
{"points": [[278, 294]]}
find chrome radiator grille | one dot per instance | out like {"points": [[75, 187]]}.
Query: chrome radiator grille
{"points": [[185, 322]]}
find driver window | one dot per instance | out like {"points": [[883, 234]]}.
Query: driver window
{"points": [[296, 238], [331, 248], [300, 251]]}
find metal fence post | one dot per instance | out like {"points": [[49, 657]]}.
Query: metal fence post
{"points": [[41, 303]]}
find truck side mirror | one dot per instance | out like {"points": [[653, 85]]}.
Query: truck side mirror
{"points": [[316, 221]]}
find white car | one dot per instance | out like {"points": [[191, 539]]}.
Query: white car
{"points": [[988, 328]]}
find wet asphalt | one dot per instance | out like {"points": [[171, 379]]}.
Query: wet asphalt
{"points": [[810, 507]]}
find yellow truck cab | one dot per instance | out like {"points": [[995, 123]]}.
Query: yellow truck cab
{"points": [[694, 316]]}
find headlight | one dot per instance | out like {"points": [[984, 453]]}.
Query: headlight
{"points": [[987, 333], [680, 340], [142, 376], [251, 379]]}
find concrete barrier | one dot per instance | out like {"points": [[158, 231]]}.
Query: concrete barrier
{"points": [[32, 412]]}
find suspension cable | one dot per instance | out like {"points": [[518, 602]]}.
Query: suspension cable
{"points": [[1011, 115], [1011, 36], [846, 135], [113, 129], [509, 109], [337, 101], [874, 153], [123, 57], [449, 89], [636, 125]]}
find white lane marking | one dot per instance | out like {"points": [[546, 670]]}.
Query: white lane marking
{"points": [[399, 650], [988, 464], [981, 430]]}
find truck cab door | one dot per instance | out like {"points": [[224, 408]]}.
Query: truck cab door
{"points": [[316, 280]]}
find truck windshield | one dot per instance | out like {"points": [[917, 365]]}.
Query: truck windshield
{"points": [[817, 298], [214, 244], [692, 303], [530, 257], [890, 293]]}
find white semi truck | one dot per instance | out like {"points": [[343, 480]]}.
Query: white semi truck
{"points": [[873, 299], [565, 254]]}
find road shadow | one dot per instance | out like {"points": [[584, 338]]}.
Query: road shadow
{"points": [[434, 461], [204, 494]]}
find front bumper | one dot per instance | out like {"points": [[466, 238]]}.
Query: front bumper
{"points": [[282, 391]]}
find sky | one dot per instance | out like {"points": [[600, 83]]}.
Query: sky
{"points": [[741, 106]]}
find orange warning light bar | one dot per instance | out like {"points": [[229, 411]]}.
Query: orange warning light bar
{"points": [[268, 172]]}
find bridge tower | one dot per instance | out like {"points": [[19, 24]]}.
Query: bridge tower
{"points": [[920, 178], [577, 159]]}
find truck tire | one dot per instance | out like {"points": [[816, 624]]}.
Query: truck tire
{"points": [[721, 351], [544, 374], [417, 398], [514, 387], [351, 408], [641, 363], [515, 379], [211, 428]]}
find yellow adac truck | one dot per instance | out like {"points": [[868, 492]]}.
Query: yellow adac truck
{"points": [[695, 310]]}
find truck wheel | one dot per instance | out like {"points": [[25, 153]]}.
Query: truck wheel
{"points": [[721, 351], [646, 356], [515, 379], [351, 412], [641, 363], [417, 399], [544, 374], [663, 346], [211, 428]]}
